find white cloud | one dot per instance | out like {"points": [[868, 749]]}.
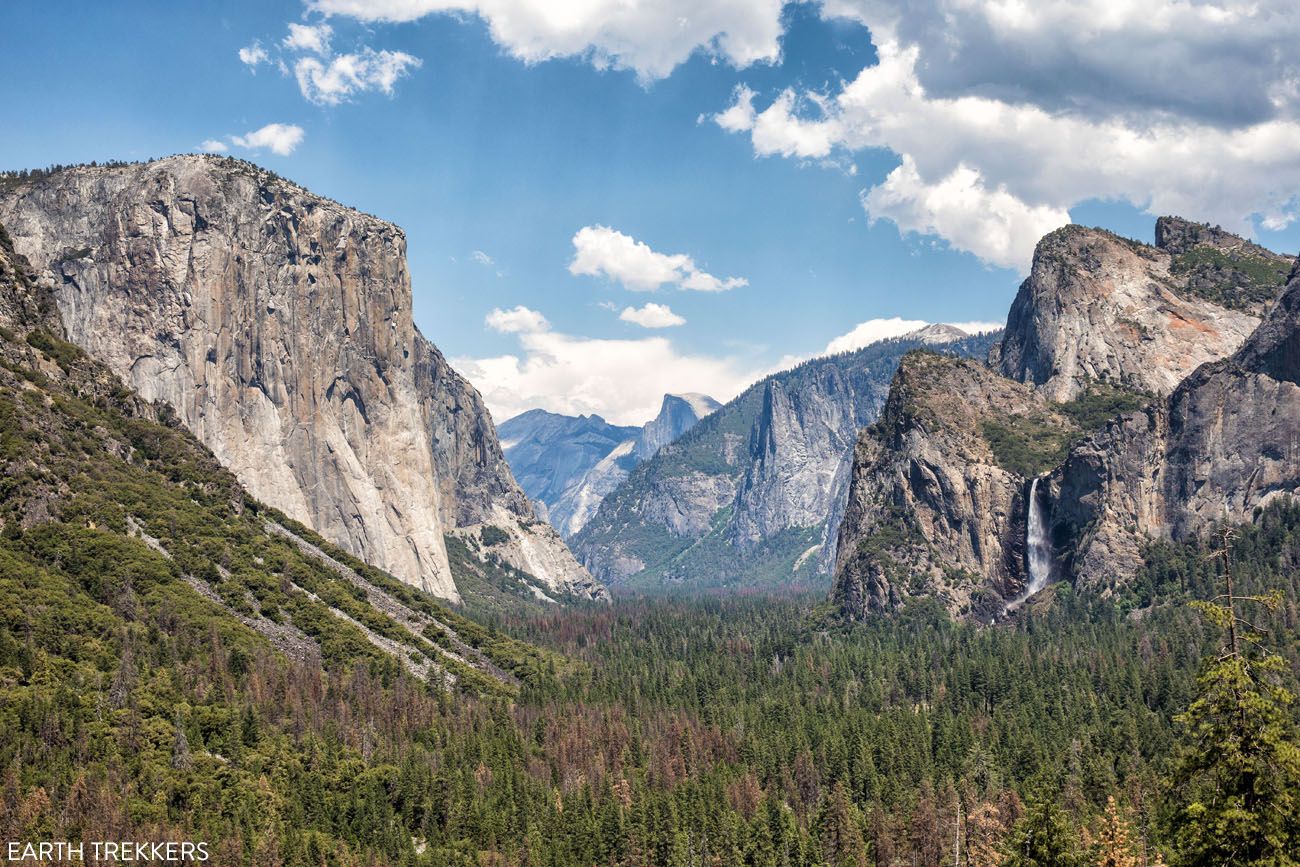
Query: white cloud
{"points": [[517, 320], [279, 138], [253, 55], [482, 258], [959, 208], [702, 281], [622, 380], [872, 331], [977, 326], [651, 38], [600, 251], [332, 80], [214, 146], [876, 330], [309, 37], [990, 169], [1228, 62], [651, 316]]}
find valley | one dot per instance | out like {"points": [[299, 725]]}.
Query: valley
{"points": [[944, 593]]}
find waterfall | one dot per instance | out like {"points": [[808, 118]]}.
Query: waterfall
{"points": [[1038, 547]]}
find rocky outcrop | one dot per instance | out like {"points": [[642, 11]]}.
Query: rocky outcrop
{"points": [[278, 326], [797, 447], [677, 414], [1141, 393], [569, 465], [936, 504], [1098, 307], [749, 495], [551, 454], [1225, 443]]}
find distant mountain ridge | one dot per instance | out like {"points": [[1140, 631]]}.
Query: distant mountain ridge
{"points": [[567, 464], [752, 494]]}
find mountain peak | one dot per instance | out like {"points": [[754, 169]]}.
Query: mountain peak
{"points": [[677, 414], [936, 333], [1178, 235], [1100, 307]]}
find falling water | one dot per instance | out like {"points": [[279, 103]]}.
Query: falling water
{"points": [[1038, 547]]}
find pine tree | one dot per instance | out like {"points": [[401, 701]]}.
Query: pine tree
{"points": [[1114, 839], [984, 830], [1237, 776], [839, 828], [1043, 837], [180, 747]]}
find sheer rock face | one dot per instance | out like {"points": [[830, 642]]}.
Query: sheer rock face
{"points": [[930, 515], [753, 493], [568, 464], [1227, 441], [278, 325], [931, 512], [797, 448], [1100, 307], [677, 414]]}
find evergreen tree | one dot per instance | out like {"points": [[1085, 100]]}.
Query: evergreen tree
{"points": [[1044, 837], [839, 828], [1237, 775], [1115, 839]]}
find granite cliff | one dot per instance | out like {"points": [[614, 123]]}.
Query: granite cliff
{"points": [[1098, 307], [752, 494], [1225, 443], [277, 324], [936, 503], [1110, 387], [568, 464]]}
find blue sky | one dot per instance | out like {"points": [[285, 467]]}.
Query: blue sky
{"points": [[759, 139]]}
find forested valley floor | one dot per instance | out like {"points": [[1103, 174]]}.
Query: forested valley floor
{"points": [[713, 731]]}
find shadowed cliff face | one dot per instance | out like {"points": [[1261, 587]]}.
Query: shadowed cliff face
{"points": [[936, 504], [278, 325], [1097, 307]]}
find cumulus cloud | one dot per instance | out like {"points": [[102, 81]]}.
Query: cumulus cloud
{"points": [[961, 209], [278, 138], [623, 380], [517, 320], [253, 55], [482, 258], [648, 38], [990, 170], [334, 79], [873, 331], [977, 326], [309, 37], [651, 316], [599, 251], [1227, 62], [876, 330], [214, 146]]}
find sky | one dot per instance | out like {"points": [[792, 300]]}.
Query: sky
{"points": [[607, 200]]}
